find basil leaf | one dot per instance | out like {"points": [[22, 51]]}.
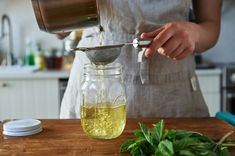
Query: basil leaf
{"points": [[146, 132], [166, 148], [137, 143], [158, 130], [163, 142], [184, 143], [138, 133], [183, 134], [186, 153], [124, 147], [137, 152], [223, 152]]}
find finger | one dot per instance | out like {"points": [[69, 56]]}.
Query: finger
{"points": [[177, 51], [158, 41], [185, 53], [151, 34], [170, 46], [181, 48]]}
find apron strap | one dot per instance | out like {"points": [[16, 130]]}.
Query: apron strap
{"points": [[144, 67]]}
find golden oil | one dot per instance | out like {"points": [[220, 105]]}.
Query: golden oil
{"points": [[103, 121]]}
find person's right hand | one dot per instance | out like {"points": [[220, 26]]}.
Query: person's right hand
{"points": [[61, 36], [175, 40]]}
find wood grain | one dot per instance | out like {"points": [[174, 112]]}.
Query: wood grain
{"points": [[65, 137]]}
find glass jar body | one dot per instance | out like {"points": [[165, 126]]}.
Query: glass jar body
{"points": [[103, 102]]}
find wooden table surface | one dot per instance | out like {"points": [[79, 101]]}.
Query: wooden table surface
{"points": [[65, 137]]}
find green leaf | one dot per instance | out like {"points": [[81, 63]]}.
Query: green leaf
{"points": [[162, 142], [183, 143], [204, 153], [137, 152], [223, 152], [165, 134], [186, 153], [183, 134], [146, 132], [171, 134], [137, 143], [125, 146], [202, 138], [138, 133], [158, 130], [166, 148], [158, 153]]}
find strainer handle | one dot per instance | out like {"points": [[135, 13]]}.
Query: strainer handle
{"points": [[138, 42]]}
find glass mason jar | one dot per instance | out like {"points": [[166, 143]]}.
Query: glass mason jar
{"points": [[103, 104]]}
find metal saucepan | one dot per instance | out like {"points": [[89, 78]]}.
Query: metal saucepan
{"points": [[58, 16]]}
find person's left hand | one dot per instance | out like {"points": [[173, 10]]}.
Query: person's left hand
{"points": [[174, 40]]}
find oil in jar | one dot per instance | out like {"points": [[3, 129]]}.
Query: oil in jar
{"points": [[104, 121]]}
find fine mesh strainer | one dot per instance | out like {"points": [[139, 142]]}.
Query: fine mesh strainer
{"points": [[105, 54]]}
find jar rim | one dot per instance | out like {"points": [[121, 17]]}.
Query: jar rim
{"points": [[111, 69]]}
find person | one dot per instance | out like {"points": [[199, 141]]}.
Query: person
{"points": [[160, 80]]}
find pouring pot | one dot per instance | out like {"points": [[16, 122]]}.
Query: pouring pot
{"points": [[57, 16]]}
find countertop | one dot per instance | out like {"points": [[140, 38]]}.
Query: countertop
{"points": [[50, 74], [65, 74], [65, 137], [214, 71]]}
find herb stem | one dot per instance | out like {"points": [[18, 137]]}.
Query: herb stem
{"points": [[222, 140], [228, 144]]}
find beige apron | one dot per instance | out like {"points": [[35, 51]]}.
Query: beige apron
{"points": [[155, 87]]}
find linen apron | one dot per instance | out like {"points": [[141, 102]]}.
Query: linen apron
{"points": [[156, 86]]}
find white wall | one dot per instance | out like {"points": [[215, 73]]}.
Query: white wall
{"points": [[24, 25], [224, 50]]}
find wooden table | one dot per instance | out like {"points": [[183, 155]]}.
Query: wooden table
{"points": [[65, 137]]}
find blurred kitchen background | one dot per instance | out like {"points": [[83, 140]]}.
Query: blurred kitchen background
{"points": [[34, 86]]}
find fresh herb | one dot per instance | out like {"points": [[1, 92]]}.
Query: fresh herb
{"points": [[164, 142]]}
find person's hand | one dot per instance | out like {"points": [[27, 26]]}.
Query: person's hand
{"points": [[173, 40]]}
